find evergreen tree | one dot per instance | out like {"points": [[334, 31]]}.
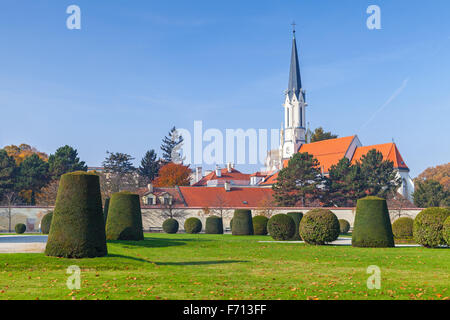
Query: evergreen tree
{"points": [[65, 160], [8, 171], [119, 171], [170, 146], [430, 193], [32, 175], [319, 134], [299, 181], [149, 166]]}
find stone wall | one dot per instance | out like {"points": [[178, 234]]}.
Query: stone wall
{"points": [[153, 217]]}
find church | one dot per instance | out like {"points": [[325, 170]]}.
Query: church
{"points": [[293, 138]]}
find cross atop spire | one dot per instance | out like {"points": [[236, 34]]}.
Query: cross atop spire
{"points": [[293, 27]]}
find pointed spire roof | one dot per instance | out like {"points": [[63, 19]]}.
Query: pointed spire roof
{"points": [[295, 81]]}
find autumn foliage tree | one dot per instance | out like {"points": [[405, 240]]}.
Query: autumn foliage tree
{"points": [[173, 174], [440, 174], [23, 151]]}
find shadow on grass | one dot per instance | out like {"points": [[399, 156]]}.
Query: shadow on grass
{"points": [[180, 263], [154, 242]]}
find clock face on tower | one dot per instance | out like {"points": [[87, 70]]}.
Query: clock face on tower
{"points": [[287, 151]]}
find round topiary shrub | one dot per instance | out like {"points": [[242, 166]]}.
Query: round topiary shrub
{"points": [[242, 222], [260, 225], [46, 222], [319, 226], [214, 225], [372, 226], [297, 217], [124, 217], [170, 226], [428, 227], [403, 228], [344, 226], [20, 228], [105, 209], [281, 227], [446, 231], [77, 229], [193, 225]]}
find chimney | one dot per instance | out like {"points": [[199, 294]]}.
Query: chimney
{"points": [[198, 174], [150, 187], [227, 186], [229, 167], [218, 172]]}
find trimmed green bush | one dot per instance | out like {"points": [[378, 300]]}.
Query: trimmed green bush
{"points": [[20, 228], [344, 226], [193, 225], [319, 226], [242, 223], [297, 217], [231, 224], [124, 217], [214, 225], [403, 228], [77, 229], [46, 222], [372, 226], [281, 227], [105, 209], [446, 231], [428, 227], [260, 225], [170, 226]]}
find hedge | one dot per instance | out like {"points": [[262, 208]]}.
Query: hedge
{"points": [[105, 209], [281, 227], [344, 226], [260, 225], [193, 225], [124, 220], [170, 226], [319, 226], [214, 225], [403, 228], [20, 228], [446, 231], [77, 229], [297, 217], [372, 226], [429, 225], [46, 222], [242, 222]]}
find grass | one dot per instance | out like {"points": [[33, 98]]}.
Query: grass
{"points": [[184, 266]]}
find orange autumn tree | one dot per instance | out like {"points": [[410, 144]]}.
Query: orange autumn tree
{"points": [[19, 153], [173, 174]]}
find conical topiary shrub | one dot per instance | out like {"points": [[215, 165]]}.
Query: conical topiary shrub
{"points": [[231, 224], [77, 229], [170, 226], [124, 217], [260, 225], [242, 223], [214, 225], [297, 217], [372, 227], [105, 209], [46, 222]]}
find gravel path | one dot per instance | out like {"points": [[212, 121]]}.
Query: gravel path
{"points": [[22, 243]]}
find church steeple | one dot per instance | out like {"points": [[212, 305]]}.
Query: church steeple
{"points": [[295, 81]]}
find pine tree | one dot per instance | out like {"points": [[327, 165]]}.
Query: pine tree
{"points": [[319, 134], [299, 181], [119, 171], [8, 171], [65, 160], [149, 166], [430, 193], [32, 175], [171, 145]]}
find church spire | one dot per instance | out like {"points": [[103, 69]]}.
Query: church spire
{"points": [[295, 81]]}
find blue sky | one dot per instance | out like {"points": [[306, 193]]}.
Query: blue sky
{"points": [[136, 68]]}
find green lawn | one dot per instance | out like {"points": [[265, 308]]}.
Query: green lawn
{"points": [[203, 266]]}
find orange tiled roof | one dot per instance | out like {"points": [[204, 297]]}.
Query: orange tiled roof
{"points": [[225, 176], [389, 151], [218, 197]]}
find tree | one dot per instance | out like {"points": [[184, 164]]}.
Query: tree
{"points": [[440, 174], [8, 171], [47, 194], [319, 134], [299, 181], [119, 172], [149, 166], [173, 174], [171, 145], [219, 205], [32, 176], [23, 151], [430, 193], [380, 177], [9, 200], [266, 207], [65, 160]]}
